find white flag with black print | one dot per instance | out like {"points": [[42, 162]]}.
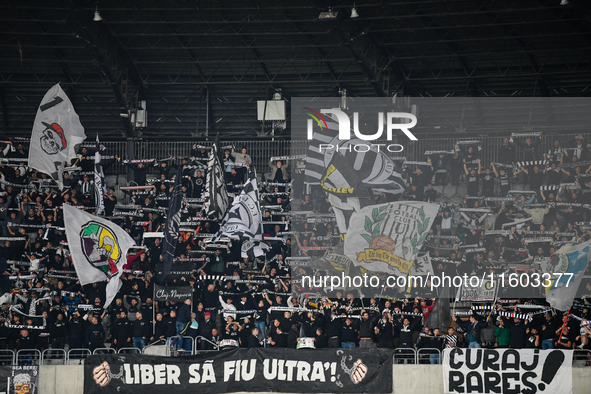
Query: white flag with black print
{"points": [[99, 177], [243, 222], [215, 187], [57, 132], [347, 176], [98, 249]]}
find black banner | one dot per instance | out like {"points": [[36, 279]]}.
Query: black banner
{"points": [[171, 228], [4, 374], [166, 293], [24, 379], [250, 370]]}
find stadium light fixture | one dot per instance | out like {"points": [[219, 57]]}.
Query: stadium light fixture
{"points": [[564, 2], [97, 15], [354, 13], [330, 14]]}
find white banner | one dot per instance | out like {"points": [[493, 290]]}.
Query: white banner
{"points": [[387, 237], [568, 266], [507, 371], [422, 265], [98, 248], [56, 133], [485, 290]]}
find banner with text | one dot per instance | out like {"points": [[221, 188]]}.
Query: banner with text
{"points": [[507, 371], [178, 294], [250, 370]]}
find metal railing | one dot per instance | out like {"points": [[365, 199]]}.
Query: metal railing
{"points": [[53, 356], [427, 353], [405, 356], [129, 350], [7, 357], [104, 350], [160, 342], [170, 352], [262, 150], [28, 357], [77, 355], [216, 348]]}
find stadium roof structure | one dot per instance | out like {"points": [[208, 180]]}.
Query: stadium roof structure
{"points": [[201, 66]]}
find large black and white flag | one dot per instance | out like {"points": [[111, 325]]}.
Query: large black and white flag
{"points": [[376, 170], [215, 187], [173, 223], [347, 176], [243, 222], [99, 178], [57, 132]]}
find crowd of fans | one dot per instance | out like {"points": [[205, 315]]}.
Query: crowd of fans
{"points": [[490, 228]]}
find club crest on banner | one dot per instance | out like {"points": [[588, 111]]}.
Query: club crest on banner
{"points": [[388, 237], [100, 247], [53, 139]]}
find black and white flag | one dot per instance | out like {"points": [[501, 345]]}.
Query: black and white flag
{"points": [[173, 223], [215, 187], [243, 222], [57, 132], [99, 178], [347, 176]]}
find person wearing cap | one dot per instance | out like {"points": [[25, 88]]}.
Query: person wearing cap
{"points": [[206, 329]]}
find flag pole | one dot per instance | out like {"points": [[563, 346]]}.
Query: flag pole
{"points": [[154, 310]]}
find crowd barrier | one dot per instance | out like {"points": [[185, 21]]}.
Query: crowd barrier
{"points": [[262, 150]]}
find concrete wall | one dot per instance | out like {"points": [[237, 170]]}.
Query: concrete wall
{"points": [[423, 379]]}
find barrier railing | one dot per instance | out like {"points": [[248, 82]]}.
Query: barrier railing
{"points": [[7, 357], [104, 350], [424, 355], [405, 356], [196, 345], [129, 350], [53, 356], [582, 358], [77, 355], [147, 348], [180, 349], [28, 357]]}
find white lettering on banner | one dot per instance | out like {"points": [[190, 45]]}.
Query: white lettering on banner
{"points": [[507, 371]]}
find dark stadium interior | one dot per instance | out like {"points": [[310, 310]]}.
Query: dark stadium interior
{"points": [[202, 65]]}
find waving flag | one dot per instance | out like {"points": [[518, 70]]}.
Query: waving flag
{"points": [[567, 267], [173, 223], [243, 222], [99, 178], [215, 187], [57, 132], [387, 237], [98, 249], [349, 177]]}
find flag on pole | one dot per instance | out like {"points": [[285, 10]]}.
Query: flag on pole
{"points": [[57, 132], [566, 267], [243, 222], [216, 192], [99, 177], [98, 249], [173, 223], [348, 176]]}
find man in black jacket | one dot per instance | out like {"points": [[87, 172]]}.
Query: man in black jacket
{"points": [[121, 331], [59, 332], [366, 331], [253, 339], [95, 334], [141, 331], [183, 320]]}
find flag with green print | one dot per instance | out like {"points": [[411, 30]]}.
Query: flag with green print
{"points": [[387, 237]]}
